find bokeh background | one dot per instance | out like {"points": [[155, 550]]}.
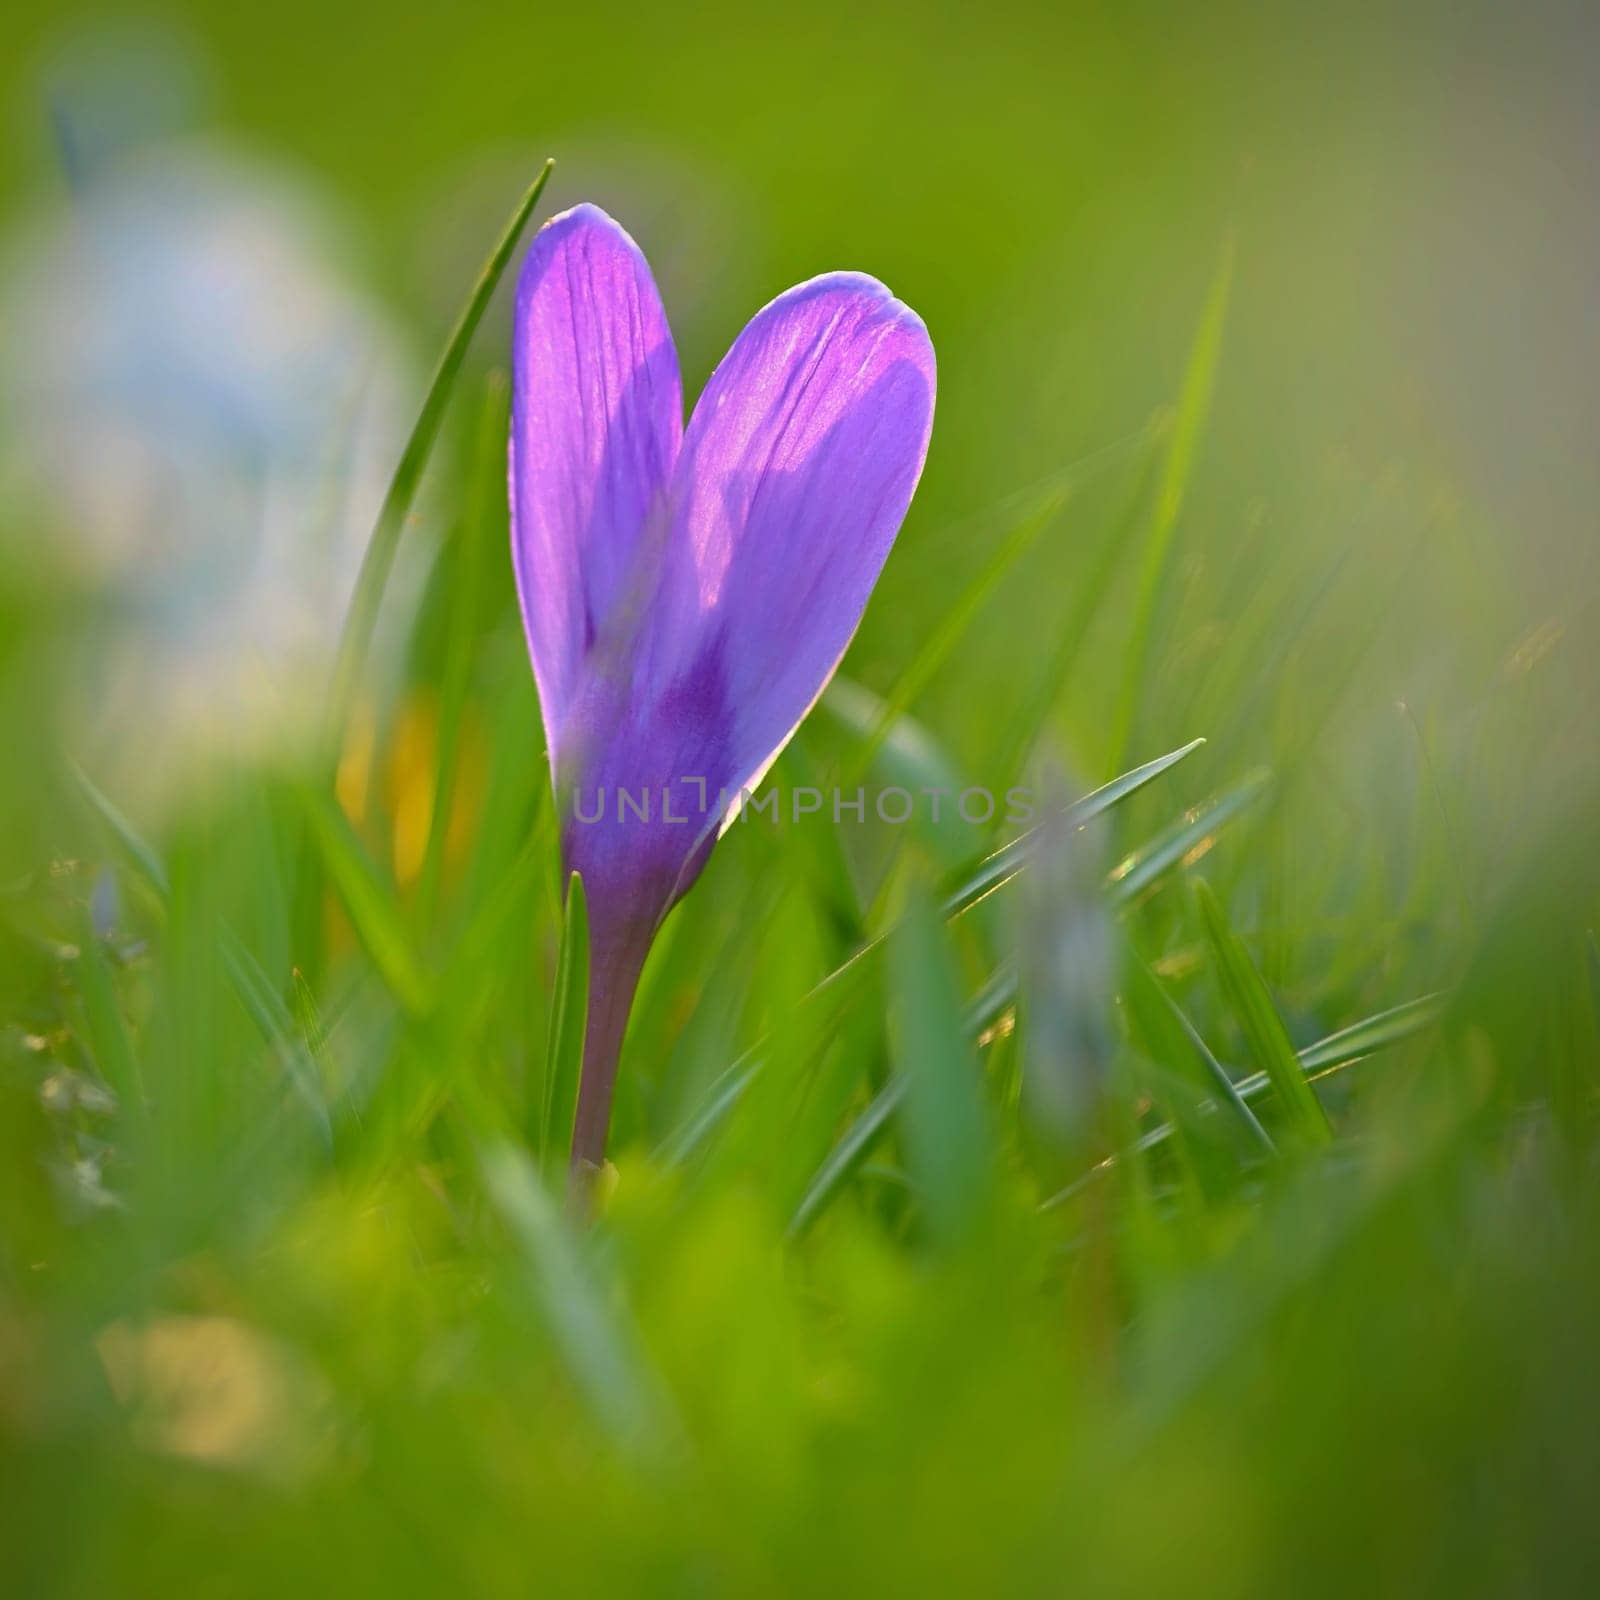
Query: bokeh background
{"points": [[1269, 360]]}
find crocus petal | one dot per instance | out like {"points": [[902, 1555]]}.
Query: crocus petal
{"points": [[687, 596], [597, 417], [795, 474]]}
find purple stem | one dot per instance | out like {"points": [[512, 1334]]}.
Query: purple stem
{"points": [[613, 980]]}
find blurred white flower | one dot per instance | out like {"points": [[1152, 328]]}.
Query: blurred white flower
{"points": [[199, 412]]}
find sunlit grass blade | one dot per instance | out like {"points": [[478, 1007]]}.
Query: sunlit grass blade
{"points": [[910, 758], [308, 1021], [982, 1012], [492, 922], [368, 902], [563, 1059], [594, 1348], [1087, 596], [1036, 517], [378, 560], [694, 1131], [967, 888], [825, 865], [1338, 1051], [488, 479], [847, 1155], [1258, 1020], [127, 838], [940, 644], [1194, 404], [1216, 1074], [944, 1119], [1134, 877], [280, 1031], [254, 989], [1185, 842], [1364, 1038]]}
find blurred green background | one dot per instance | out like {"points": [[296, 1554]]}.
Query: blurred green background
{"points": [[1269, 363]]}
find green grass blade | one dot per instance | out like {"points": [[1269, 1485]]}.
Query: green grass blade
{"points": [[966, 889], [1217, 1075], [251, 985], [1186, 841], [1259, 1021], [847, 1155], [944, 1118], [378, 560], [488, 479], [697, 1128], [941, 643], [1194, 404], [563, 1061], [138, 853], [1087, 598], [595, 1349], [492, 923], [1035, 518], [908, 758], [368, 901], [1335, 1053], [1360, 1039], [279, 1029], [983, 1011], [1139, 873]]}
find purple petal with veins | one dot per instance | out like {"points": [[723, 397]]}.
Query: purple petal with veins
{"points": [[688, 593]]}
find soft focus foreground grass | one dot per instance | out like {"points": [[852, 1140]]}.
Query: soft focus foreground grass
{"points": [[284, 1301]]}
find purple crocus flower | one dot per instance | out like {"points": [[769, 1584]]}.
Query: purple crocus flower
{"points": [[688, 592]]}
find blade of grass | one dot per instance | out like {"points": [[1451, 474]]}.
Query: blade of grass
{"points": [[368, 901], [473, 946], [1360, 1039], [594, 1347], [279, 1030], [908, 758], [1227, 1091], [126, 836], [999, 992], [944, 1116], [488, 476], [376, 563], [1035, 708], [1259, 1021], [1335, 1053], [981, 1013], [564, 1045], [461, 995], [847, 1155], [941, 643], [254, 989], [1186, 841], [967, 889], [1194, 404]]}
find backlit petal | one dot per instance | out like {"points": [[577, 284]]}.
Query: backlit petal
{"points": [[795, 474], [597, 417]]}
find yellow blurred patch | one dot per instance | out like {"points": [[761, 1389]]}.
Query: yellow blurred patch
{"points": [[213, 1390]]}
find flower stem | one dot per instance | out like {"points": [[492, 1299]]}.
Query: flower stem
{"points": [[613, 980]]}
